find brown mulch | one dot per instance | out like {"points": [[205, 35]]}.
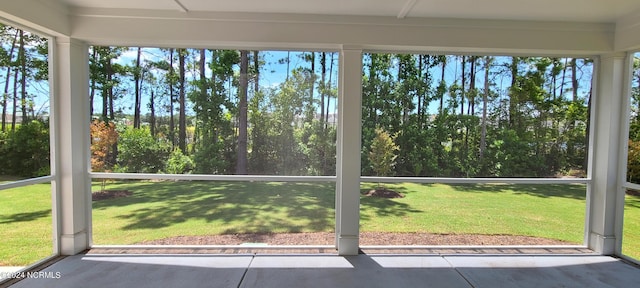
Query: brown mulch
{"points": [[110, 194], [633, 192], [366, 238], [382, 193]]}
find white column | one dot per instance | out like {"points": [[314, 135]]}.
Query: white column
{"points": [[70, 115], [607, 114], [348, 151]]}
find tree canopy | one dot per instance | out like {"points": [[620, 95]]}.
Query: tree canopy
{"points": [[275, 113]]}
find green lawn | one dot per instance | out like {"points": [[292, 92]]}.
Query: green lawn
{"points": [[549, 211], [163, 209], [631, 229], [25, 224]]}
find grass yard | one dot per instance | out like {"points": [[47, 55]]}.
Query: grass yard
{"points": [[631, 229], [164, 209], [548, 211], [25, 224], [158, 210]]}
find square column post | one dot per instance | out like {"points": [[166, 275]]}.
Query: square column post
{"points": [[607, 116], [70, 116], [348, 151]]}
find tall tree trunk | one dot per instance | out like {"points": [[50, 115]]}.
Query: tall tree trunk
{"points": [[92, 80], [323, 78], [485, 99], [5, 95], [373, 79], [112, 116], [182, 118], [202, 68], [572, 121], [588, 129], [513, 100], [330, 83], [426, 83], [472, 87], [256, 66], [110, 88], [288, 62], [311, 113], [637, 103], [172, 123], [442, 83], [105, 103], [213, 133], [574, 78], [138, 94], [15, 99], [203, 131], [462, 94], [564, 73], [420, 90], [152, 110], [22, 55], [105, 88], [241, 164], [323, 122]]}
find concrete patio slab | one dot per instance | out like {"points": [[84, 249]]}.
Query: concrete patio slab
{"points": [[546, 271], [352, 271], [142, 271], [379, 270]]}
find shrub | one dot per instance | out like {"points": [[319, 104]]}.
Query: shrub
{"points": [[179, 163], [139, 152], [633, 164], [25, 151]]}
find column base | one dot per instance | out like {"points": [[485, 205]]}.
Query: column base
{"points": [[73, 244], [601, 244], [348, 245]]}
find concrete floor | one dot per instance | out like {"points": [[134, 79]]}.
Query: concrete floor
{"points": [[382, 270]]}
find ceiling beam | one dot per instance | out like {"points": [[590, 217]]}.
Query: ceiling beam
{"points": [[46, 17], [627, 31], [406, 8], [198, 29], [182, 7]]}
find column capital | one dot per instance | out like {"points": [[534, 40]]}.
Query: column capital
{"points": [[614, 55], [351, 47], [69, 40]]}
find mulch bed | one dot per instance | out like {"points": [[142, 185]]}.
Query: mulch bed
{"points": [[633, 192], [366, 238], [382, 193], [110, 194]]}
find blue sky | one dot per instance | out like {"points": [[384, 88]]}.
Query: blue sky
{"points": [[272, 74]]}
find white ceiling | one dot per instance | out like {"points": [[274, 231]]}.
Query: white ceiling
{"points": [[600, 11]]}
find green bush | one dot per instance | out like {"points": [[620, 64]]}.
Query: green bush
{"points": [[179, 163], [25, 151], [633, 164], [139, 152]]}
